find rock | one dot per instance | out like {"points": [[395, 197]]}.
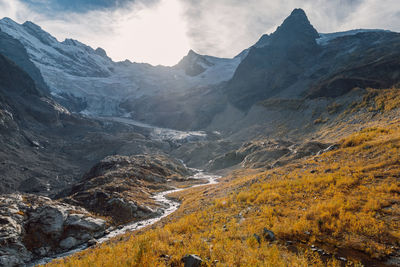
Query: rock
{"points": [[49, 220], [85, 237], [33, 227], [68, 243], [192, 261], [165, 256], [268, 235], [92, 242], [43, 251], [258, 238], [10, 261], [86, 223], [32, 185]]}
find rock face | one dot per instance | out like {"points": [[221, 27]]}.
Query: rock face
{"points": [[33, 227], [121, 187]]}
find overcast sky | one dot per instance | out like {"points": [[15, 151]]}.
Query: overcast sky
{"points": [[162, 31]]}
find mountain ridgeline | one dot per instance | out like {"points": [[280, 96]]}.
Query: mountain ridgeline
{"points": [[294, 62]]}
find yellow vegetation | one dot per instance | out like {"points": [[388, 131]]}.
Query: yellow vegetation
{"points": [[380, 99], [347, 198]]}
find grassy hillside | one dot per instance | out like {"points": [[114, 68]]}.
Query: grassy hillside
{"points": [[341, 207]]}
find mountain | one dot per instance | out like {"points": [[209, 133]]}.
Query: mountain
{"points": [[86, 80], [44, 148], [314, 65], [15, 51], [309, 150], [22, 106]]}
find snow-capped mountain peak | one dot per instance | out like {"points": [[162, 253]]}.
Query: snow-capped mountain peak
{"points": [[77, 73]]}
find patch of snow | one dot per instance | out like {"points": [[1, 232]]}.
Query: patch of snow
{"points": [[325, 38], [163, 134]]}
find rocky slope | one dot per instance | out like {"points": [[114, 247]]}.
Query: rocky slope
{"points": [[45, 148], [266, 154]]}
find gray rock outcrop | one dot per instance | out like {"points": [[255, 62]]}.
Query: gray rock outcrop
{"points": [[33, 227]]}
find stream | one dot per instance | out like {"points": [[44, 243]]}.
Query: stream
{"points": [[168, 206]]}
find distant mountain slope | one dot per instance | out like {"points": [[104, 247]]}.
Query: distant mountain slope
{"points": [[14, 50], [22, 107], [295, 61], [87, 80], [43, 147]]}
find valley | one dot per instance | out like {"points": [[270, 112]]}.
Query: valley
{"points": [[284, 155]]}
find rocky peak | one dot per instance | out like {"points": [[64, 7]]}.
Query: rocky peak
{"points": [[194, 64], [191, 53], [263, 41], [101, 52], [294, 30], [39, 33], [7, 20]]}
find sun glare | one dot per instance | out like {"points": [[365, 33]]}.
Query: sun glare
{"points": [[152, 35]]}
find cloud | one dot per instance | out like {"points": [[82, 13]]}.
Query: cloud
{"points": [[162, 31], [226, 27], [142, 31], [80, 6]]}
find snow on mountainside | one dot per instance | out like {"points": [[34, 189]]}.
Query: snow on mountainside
{"points": [[78, 73], [325, 38]]}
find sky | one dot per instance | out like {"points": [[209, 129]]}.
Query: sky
{"points": [[163, 31]]}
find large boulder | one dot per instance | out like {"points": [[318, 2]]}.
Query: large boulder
{"points": [[33, 227], [192, 261]]}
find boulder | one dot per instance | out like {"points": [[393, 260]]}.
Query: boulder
{"points": [[92, 242], [268, 235], [68, 243], [192, 261], [86, 223], [49, 219], [258, 238]]}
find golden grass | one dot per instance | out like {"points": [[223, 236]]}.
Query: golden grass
{"points": [[380, 100], [348, 198]]}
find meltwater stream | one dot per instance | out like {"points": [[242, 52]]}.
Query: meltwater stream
{"points": [[168, 206]]}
